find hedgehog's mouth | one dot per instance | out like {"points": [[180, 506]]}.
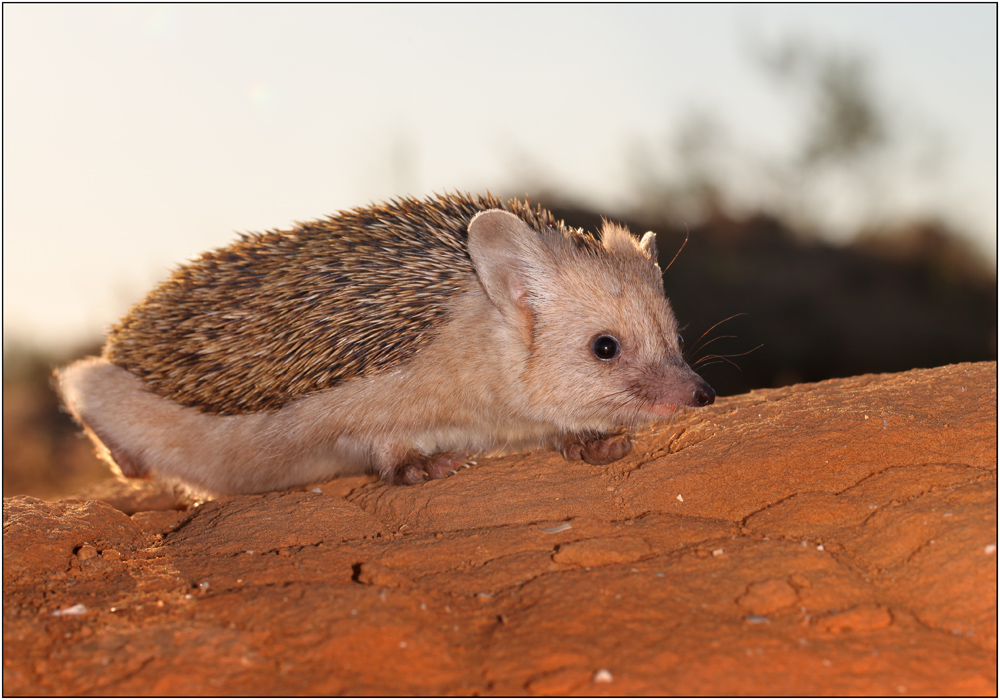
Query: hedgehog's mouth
{"points": [[663, 409]]}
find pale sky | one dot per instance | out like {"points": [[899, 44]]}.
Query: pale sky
{"points": [[138, 136]]}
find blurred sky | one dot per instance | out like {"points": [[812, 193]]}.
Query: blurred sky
{"points": [[137, 136]]}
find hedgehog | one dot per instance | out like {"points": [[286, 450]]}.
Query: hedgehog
{"points": [[403, 339]]}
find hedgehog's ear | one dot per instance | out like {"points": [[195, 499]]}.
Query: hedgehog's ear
{"points": [[648, 245], [510, 262], [617, 239]]}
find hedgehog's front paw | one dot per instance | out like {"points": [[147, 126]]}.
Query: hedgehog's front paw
{"points": [[418, 468], [596, 450]]}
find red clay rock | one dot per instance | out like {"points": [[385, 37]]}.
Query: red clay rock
{"points": [[833, 538]]}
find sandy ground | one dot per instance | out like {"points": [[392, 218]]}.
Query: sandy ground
{"points": [[831, 538]]}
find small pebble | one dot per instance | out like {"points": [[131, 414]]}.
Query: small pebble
{"points": [[717, 552], [990, 549], [680, 498], [78, 609], [317, 490], [603, 675]]}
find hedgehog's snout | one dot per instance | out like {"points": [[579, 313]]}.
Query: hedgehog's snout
{"points": [[703, 394]]}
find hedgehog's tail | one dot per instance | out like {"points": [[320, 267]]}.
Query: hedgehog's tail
{"points": [[140, 433]]}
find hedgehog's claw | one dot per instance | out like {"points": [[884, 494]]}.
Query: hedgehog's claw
{"points": [[418, 468], [596, 449]]}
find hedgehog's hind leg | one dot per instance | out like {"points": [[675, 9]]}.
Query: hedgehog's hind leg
{"points": [[117, 458], [98, 394], [143, 434]]}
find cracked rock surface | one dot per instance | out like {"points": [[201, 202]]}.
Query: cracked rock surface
{"points": [[832, 538]]}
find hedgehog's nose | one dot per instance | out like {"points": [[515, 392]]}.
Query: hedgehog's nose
{"points": [[703, 394]]}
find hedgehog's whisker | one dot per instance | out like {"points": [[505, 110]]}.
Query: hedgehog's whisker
{"points": [[687, 235], [698, 347]]}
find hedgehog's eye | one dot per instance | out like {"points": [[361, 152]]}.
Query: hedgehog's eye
{"points": [[605, 347], [680, 341]]}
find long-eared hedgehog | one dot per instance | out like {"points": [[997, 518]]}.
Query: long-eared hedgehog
{"points": [[402, 338]]}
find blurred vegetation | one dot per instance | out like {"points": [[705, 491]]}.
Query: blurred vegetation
{"points": [[763, 299], [847, 157]]}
